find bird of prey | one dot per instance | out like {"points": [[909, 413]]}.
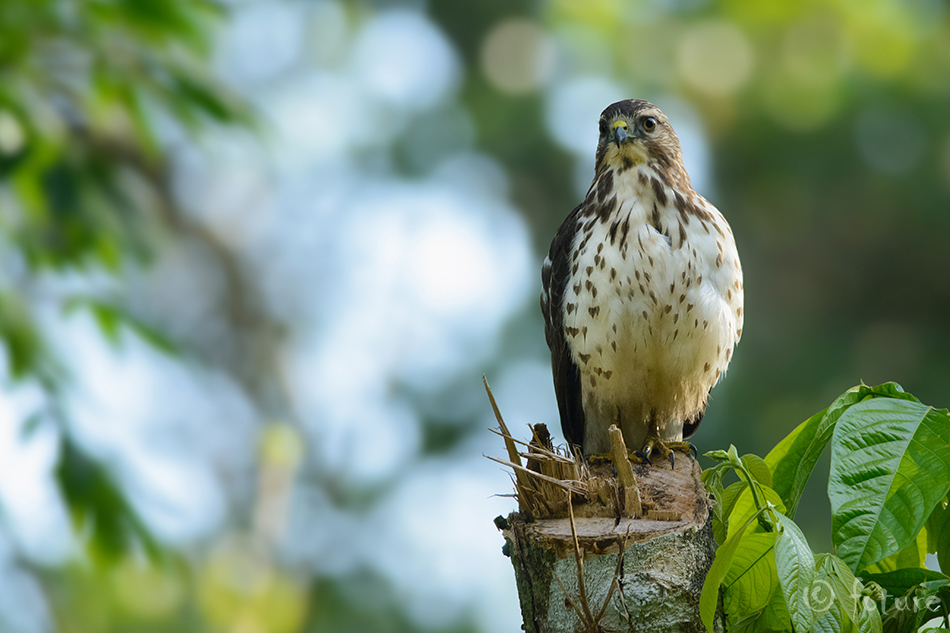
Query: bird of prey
{"points": [[642, 294]]}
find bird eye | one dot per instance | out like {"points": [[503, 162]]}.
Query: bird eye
{"points": [[649, 123], [603, 128]]}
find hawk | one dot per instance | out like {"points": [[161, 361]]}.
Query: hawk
{"points": [[642, 294]]}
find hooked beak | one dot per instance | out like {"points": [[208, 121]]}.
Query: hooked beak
{"points": [[620, 135]]}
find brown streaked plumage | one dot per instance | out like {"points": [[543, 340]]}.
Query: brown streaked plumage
{"points": [[642, 292]]}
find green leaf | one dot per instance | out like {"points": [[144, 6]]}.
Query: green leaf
{"points": [[795, 565], [720, 524], [890, 466], [730, 495], [938, 533], [758, 469], [752, 578], [911, 556], [829, 621], [849, 594], [776, 617], [733, 455], [27, 355], [709, 598], [899, 581], [744, 506], [822, 597], [869, 619], [793, 459], [719, 455], [773, 618]]}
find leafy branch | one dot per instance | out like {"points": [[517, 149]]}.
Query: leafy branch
{"points": [[888, 486]]}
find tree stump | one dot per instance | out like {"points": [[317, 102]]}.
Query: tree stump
{"points": [[610, 546], [601, 574]]}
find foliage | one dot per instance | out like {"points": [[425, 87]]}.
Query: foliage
{"points": [[890, 475], [88, 92]]}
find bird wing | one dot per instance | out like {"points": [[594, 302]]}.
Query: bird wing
{"points": [[555, 274], [690, 426], [732, 295]]}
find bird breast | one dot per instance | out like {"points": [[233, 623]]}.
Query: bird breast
{"points": [[653, 305]]}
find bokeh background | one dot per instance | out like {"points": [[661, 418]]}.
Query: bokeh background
{"points": [[257, 255]]}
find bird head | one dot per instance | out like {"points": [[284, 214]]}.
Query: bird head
{"points": [[634, 132]]}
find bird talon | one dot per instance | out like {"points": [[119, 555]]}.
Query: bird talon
{"points": [[643, 456], [694, 450], [672, 462]]}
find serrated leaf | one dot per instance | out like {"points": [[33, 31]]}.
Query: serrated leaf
{"points": [[890, 466], [751, 580], [795, 565]]}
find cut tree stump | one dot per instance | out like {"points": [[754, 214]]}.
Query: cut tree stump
{"points": [[614, 546]]}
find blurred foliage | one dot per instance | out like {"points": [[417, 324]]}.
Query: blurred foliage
{"points": [[829, 149], [99, 507], [92, 93], [85, 88]]}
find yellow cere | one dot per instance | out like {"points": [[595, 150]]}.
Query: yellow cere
{"points": [[620, 124]]}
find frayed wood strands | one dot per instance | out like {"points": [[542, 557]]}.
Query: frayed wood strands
{"points": [[548, 471]]}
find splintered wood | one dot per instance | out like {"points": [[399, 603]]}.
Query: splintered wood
{"points": [[614, 488]]}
